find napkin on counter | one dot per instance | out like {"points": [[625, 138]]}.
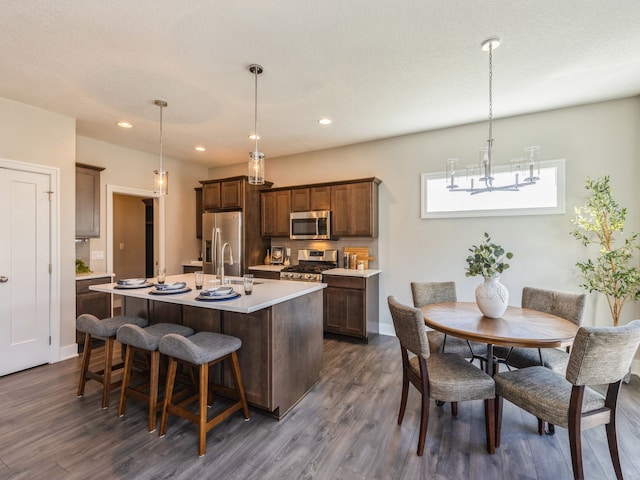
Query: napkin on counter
{"points": [[132, 281], [171, 286], [217, 292]]}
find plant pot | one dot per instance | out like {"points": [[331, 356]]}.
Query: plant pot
{"points": [[492, 297]]}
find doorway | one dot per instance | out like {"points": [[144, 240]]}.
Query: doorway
{"points": [[29, 323], [135, 232]]}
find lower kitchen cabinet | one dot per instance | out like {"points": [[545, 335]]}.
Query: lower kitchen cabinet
{"points": [[88, 301], [269, 275], [351, 306]]}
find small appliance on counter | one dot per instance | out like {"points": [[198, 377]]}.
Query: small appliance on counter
{"points": [[311, 264]]}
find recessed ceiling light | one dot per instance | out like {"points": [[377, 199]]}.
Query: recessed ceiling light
{"points": [[325, 121], [200, 148], [125, 124], [254, 136]]}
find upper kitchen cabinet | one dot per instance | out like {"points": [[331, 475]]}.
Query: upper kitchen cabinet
{"points": [[354, 208], [87, 201], [199, 206], [227, 194], [275, 207], [311, 198]]}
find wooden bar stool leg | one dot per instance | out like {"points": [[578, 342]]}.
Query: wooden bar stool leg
{"points": [[168, 395], [106, 382], [86, 358], [126, 377], [237, 375], [202, 418], [153, 389]]}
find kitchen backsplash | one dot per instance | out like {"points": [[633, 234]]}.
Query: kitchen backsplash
{"points": [[295, 245], [83, 251]]}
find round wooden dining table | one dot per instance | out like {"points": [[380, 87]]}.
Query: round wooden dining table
{"points": [[518, 327]]}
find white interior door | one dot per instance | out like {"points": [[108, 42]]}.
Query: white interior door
{"points": [[25, 277]]}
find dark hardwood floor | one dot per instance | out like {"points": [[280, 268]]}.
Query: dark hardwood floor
{"points": [[345, 428]]}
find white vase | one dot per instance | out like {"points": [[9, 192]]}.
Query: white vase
{"points": [[492, 297]]}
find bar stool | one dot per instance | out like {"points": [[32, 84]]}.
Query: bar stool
{"points": [[202, 350], [145, 340], [105, 330]]}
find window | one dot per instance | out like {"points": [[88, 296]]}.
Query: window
{"points": [[546, 197]]}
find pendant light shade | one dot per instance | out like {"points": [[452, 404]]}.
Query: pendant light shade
{"points": [[161, 177], [256, 158]]}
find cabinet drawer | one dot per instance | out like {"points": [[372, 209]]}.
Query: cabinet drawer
{"points": [[82, 286], [344, 282]]}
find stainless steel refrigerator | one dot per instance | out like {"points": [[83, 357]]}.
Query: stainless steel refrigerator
{"points": [[229, 225]]}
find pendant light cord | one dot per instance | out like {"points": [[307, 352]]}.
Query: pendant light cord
{"points": [[161, 137], [255, 104]]}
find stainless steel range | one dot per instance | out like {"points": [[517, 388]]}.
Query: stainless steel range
{"points": [[311, 264]]}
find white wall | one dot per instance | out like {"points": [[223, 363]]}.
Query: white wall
{"points": [[32, 135], [595, 140]]}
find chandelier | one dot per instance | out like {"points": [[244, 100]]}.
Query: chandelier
{"points": [[256, 158], [161, 177], [480, 176]]}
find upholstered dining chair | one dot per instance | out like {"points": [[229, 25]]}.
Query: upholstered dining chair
{"points": [[426, 293], [600, 356], [569, 306], [445, 376]]}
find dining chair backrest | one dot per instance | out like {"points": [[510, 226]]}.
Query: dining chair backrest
{"points": [[602, 355], [410, 327], [426, 293], [567, 305]]}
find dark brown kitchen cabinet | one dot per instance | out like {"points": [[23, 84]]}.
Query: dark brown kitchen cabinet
{"points": [[223, 195], [351, 306], [88, 301], [199, 207], [211, 195], [312, 198], [354, 209], [269, 275], [87, 201], [275, 207]]}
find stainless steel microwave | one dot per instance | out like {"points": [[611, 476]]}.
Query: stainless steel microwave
{"points": [[310, 225]]}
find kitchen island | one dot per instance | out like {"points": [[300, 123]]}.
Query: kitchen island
{"points": [[280, 326]]}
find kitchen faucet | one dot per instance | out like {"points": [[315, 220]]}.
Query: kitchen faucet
{"points": [[222, 261]]}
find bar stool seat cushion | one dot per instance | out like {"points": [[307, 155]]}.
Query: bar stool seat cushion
{"points": [[201, 348], [149, 338], [108, 327]]}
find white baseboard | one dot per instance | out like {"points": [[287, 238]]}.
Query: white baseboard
{"points": [[68, 351], [635, 367], [385, 329]]}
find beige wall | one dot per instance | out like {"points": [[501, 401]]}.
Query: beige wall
{"points": [[129, 168], [595, 140], [128, 237], [33, 135]]}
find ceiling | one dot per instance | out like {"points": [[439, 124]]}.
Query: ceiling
{"points": [[377, 68]]}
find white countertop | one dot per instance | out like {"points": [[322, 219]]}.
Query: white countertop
{"points": [[92, 275], [267, 268], [266, 293], [352, 272]]}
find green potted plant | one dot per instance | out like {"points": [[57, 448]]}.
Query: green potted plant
{"points": [[611, 272], [489, 260]]}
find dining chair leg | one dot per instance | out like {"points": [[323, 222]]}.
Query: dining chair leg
{"points": [[454, 409], [168, 395], [153, 389], [108, 361], [424, 410], [86, 359], [611, 402], [574, 427], [405, 387], [498, 419], [490, 424], [126, 378], [203, 397]]}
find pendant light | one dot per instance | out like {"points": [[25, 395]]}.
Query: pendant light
{"points": [[480, 176], [256, 158], [161, 177]]}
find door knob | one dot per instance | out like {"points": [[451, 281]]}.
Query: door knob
{"points": [[3, 279]]}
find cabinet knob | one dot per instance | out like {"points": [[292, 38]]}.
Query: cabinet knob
{"points": [[3, 279]]}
